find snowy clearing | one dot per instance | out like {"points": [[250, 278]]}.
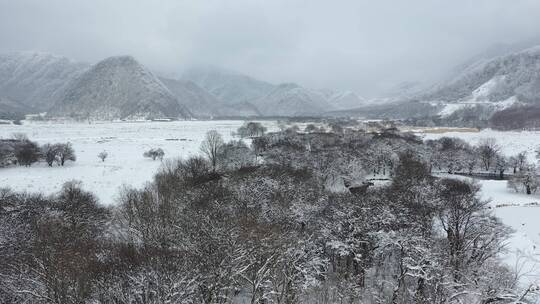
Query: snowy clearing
{"points": [[511, 142], [125, 144], [516, 210]]}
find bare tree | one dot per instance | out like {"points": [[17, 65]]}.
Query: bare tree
{"points": [[522, 160], [59, 153], [525, 180], [154, 154], [487, 151], [103, 155], [501, 164], [49, 154], [474, 236], [6, 153], [212, 147], [251, 129], [64, 152], [27, 152]]}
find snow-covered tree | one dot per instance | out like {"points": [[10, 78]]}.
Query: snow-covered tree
{"points": [[27, 152], [488, 149], [103, 155], [212, 146], [64, 152], [154, 153], [251, 129], [526, 180]]}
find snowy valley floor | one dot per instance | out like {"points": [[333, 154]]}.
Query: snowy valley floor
{"points": [[125, 165], [125, 144]]}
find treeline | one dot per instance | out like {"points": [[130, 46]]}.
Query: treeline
{"points": [[518, 117], [270, 223], [20, 150], [453, 155]]}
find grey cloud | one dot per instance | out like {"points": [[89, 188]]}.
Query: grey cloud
{"points": [[366, 46]]}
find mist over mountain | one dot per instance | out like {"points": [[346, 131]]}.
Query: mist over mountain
{"points": [[290, 99], [346, 100], [36, 79], [249, 95], [228, 86], [199, 101], [121, 88], [516, 75]]}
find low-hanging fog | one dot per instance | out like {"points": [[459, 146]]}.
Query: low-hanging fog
{"points": [[365, 46]]}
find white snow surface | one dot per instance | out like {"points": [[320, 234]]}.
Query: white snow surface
{"points": [[450, 108], [125, 143]]}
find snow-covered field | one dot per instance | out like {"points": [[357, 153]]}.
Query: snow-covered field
{"points": [[511, 142], [124, 143], [519, 211]]}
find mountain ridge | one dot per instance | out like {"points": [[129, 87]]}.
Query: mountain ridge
{"points": [[119, 87], [48, 83]]}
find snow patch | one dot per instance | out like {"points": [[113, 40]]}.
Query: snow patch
{"points": [[125, 143]]}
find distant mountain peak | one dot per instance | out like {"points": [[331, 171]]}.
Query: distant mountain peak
{"points": [[126, 60], [119, 87], [37, 79], [227, 86], [288, 86]]}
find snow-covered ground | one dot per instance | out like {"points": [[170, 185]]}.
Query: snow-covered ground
{"points": [[511, 142], [516, 210], [124, 142]]}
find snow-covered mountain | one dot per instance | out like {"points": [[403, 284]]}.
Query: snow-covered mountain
{"points": [[346, 100], [119, 88], [290, 99], [256, 97], [516, 75], [36, 79], [204, 104], [405, 90], [229, 87], [199, 101]]}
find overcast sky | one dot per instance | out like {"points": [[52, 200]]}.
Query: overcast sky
{"points": [[365, 46]]}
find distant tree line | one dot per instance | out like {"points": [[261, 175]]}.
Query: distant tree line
{"points": [[251, 129], [518, 117], [485, 159]]}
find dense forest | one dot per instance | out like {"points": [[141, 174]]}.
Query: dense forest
{"points": [[340, 216]]}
